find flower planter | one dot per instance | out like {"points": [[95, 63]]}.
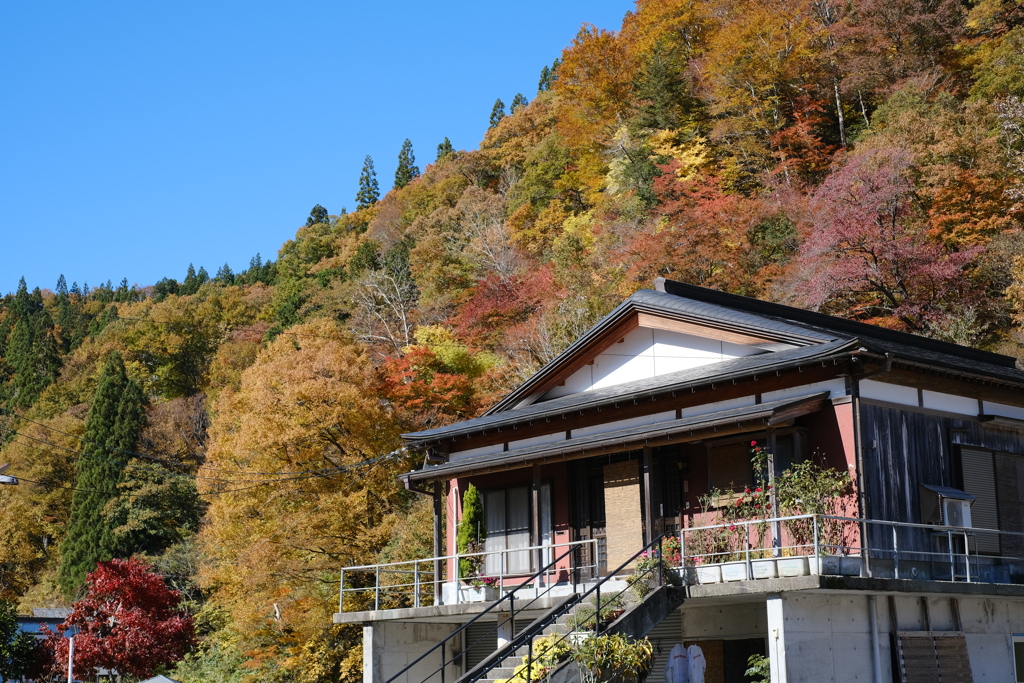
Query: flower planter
{"points": [[793, 566], [734, 571], [479, 593], [709, 573], [849, 565], [835, 565], [765, 569], [576, 638], [830, 565]]}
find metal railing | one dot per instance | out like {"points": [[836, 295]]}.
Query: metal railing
{"points": [[848, 545], [602, 608], [506, 604], [412, 583]]}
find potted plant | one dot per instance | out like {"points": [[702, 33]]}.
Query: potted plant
{"points": [[613, 657]]}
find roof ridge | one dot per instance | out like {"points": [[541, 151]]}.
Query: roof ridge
{"points": [[804, 317]]}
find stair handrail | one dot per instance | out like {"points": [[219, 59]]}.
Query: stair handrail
{"points": [[530, 632], [510, 596]]}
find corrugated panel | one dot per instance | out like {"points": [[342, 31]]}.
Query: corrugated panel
{"points": [[954, 664], [481, 641], [663, 637], [980, 481], [918, 663], [933, 657]]}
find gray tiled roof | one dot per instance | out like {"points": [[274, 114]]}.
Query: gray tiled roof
{"points": [[582, 444], [629, 390]]}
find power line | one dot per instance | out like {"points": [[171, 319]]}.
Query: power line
{"points": [[232, 327], [148, 457], [350, 468], [308, 474]]}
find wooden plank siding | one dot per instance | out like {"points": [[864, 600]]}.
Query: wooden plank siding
{"points": [[905, 447]]}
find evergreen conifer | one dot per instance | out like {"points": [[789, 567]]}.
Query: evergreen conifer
{"points": [[518, 102], [497, 113], [317, 215], [369, 190], [225, 276], [445, 149], [190, 285], [545, 79], [113, 425], [407, 169]]}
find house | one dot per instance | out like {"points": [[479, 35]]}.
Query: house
{"points": [[637, 442], [48, 616]]}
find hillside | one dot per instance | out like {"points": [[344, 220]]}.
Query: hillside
{"points": [[864, 159]]}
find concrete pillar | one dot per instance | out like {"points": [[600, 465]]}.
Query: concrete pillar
{"points": [[777, 638]]}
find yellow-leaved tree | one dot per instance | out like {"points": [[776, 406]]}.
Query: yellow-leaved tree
{"points": [[302, 446]]}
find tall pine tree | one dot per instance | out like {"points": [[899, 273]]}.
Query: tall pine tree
{"points": [[369, 190], [407, 169], [497, 113], [545, 79], [115, 421], [445, 150], [518, 102]]}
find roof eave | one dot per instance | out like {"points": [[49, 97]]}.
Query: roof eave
{"points": [[844, 351]]}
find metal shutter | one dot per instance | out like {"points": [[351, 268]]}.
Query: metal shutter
{"points": [[663, 637], [481, 640], [980, 481]]}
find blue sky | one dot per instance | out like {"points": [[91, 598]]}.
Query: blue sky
{"points": [[138, 137]]}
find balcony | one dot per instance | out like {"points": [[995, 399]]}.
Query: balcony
{"points": [[752, 550], [830, 545]]}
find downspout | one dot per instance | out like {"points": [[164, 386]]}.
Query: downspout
{"points": [[858, 448]]}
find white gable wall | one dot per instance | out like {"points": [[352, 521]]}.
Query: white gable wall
{"points": [[646, 353]]}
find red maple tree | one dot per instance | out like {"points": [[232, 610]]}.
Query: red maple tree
{"points": [[129, 621]]}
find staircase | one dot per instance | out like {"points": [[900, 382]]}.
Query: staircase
{"points": [[577, 617], [639, 618], [597, 610]]}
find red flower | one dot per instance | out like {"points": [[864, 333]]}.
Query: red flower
{"points": [[757, 507], [732, 527], [758, 489], [753, 443], [739, 502], [747, 490]]}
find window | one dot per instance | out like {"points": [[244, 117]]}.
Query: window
{"points": [[729, 467], [1018, 657], [509, 513]]}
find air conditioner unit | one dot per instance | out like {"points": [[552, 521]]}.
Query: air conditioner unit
{"points": [[945, 505], [956, 512]]}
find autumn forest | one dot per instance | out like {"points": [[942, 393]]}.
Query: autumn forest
{"points": [[240, 432]]}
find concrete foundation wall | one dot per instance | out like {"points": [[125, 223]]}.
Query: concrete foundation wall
{"points": [[388, 647], [826, 636], [745, 620]]}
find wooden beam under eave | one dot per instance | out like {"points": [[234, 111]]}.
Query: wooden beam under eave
{"points": [[942, 383], [575, 419], [635, 443], [669, 325]]}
